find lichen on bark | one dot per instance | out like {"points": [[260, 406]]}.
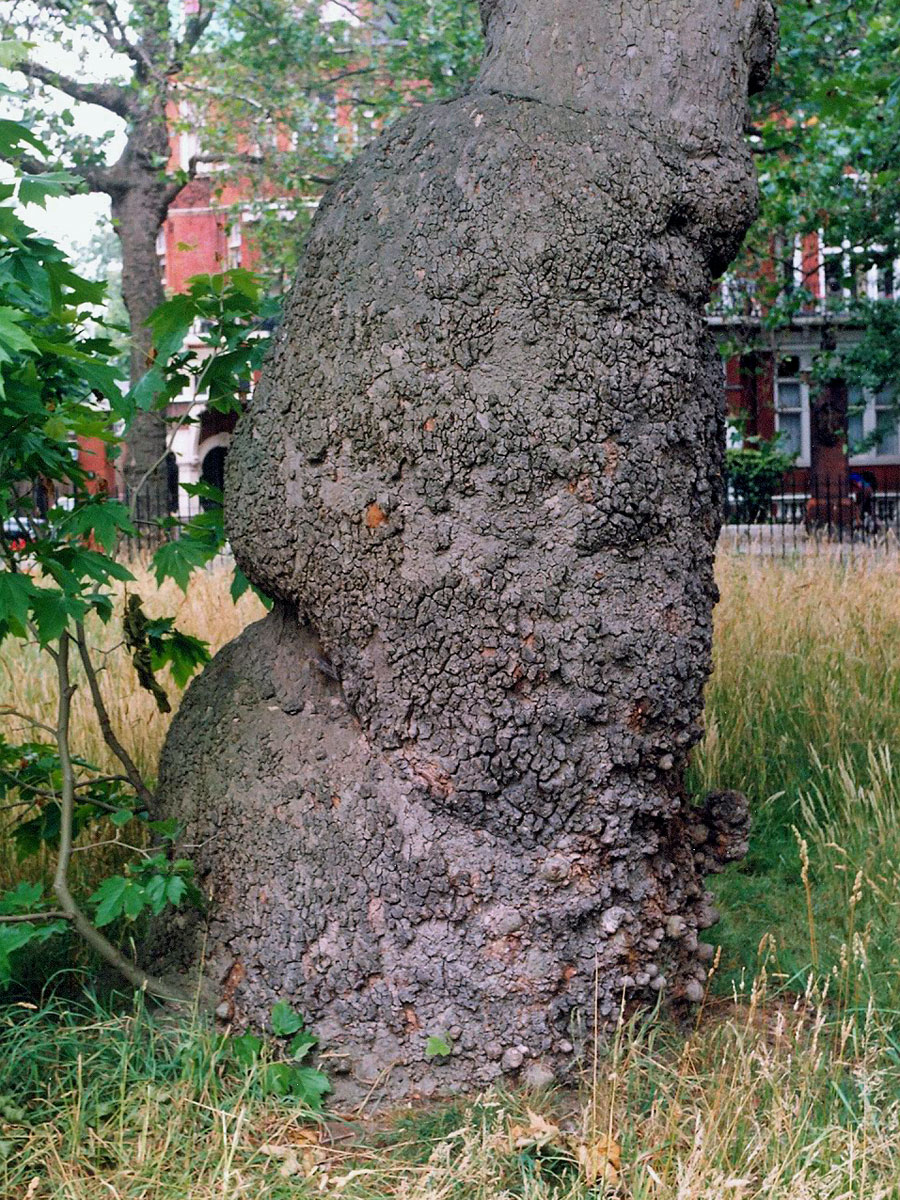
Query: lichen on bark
{"points": [[440, 788]]}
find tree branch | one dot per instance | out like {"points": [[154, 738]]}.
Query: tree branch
{"points": [[92, 935], [43, 794], [12, 918], [115, 34], [195, 28], [256, 160], [96, 178], [6, 711], [172, 189], [134, 776], [111, 96]]}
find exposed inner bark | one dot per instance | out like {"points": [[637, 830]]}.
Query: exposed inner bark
{"points": [[439, 790]]}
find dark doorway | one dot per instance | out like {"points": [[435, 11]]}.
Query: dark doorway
{"points": [[212, 472], [172, 482]]}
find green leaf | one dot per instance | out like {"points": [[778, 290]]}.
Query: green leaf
{"points": [[14, 134], [13, 340], [176, 887], [301, 1044], [13, 52], [23, 898], [15, 937], [178, 560], [147, 391], [34, 189], [122, 817], [168, 830], [437, 1046], [32, 836], [310, 1086], [183, 652], [110, 899], [16, 591], [51, 611], [134, 901], [155, 890], [245, 1048], [106, 519], [284, 1020], [171, 322], [239, 584]]}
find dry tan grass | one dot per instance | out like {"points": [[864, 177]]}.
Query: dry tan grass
{"points": [[28, 681], [28, 684], [765, 1101], [805, 655], [794, 1096]]}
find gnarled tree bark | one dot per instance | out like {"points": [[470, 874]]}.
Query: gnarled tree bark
{"points": [[440, 788]]}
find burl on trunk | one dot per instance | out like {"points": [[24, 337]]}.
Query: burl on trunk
{"points": [[439, 790]]}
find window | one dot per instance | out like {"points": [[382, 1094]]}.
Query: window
{"points": [[873, 426], [834, 275], [172, 481], [887, 282], [789, 263], [856, 411], [734, 435], [886, 425], [235, 245], [212, 471], [792, 408]]}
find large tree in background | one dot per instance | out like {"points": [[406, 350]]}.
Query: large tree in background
{"points": [[257, 80], [150, 50], [439, 790], [276, 130], [826, 133], [827, 129]]}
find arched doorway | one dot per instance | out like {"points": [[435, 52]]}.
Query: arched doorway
{"points": [[212, 471]]}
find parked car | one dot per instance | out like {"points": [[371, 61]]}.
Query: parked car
{"points": [[19, 531]]}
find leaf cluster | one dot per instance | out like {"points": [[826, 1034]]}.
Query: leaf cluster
{"points": [[60, 387], [284, 1074], [754, 474]]}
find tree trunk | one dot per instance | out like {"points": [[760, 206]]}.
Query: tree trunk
{"points": [[138, 195], [439, 790]]}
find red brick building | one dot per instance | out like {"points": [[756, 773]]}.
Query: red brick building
{"points": [[838, 433]]}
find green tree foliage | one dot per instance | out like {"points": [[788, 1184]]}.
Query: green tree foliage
{"points": [[283, 97], [754, 473], [826, 131], [277, 95], [59, 384], [829, 127]]}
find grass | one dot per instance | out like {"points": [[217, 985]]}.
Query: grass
{"points": [[766, 1099], [787, 1087], [26, 683], [803, 709]]}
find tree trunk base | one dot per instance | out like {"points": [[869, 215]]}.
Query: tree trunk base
{"points": [[338, 886]]}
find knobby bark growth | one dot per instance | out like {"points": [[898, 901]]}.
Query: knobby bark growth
{"points": [[440, 788]]}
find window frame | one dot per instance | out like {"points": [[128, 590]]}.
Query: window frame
{"points": [[801, 379], [870, 423]]}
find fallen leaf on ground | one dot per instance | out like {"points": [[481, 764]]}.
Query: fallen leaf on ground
{"points": [[300, 1159], [538, 1132], [599, 1159]]}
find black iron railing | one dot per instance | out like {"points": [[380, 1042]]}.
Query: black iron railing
{"points": [[804, 517]]}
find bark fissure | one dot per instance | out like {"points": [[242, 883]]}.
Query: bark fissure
{"points": [[482, 473]]}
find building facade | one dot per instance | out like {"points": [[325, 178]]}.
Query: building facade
{"points": [[842, 437]]}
